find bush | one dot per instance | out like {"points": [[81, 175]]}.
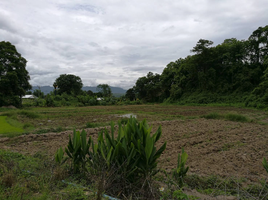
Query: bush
{"points": [[57, 98], [93, 102], [39, 102], [131, 158], [49, 101]]}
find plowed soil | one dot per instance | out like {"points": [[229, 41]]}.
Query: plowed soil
{"points": [[217, 147]]}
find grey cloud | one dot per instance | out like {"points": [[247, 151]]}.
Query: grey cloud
{"points": [[6, 24]]}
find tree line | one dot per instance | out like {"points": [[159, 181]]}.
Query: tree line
{"points": [[235, 70], [14, 84]]}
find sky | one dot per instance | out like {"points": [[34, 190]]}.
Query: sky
{"points": [[117, 41]]}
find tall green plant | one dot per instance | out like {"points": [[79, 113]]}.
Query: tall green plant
{"points": [[78, 149], [134, 149], [180, 172], [59, 157], [131, 156]]}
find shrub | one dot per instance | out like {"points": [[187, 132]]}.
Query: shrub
{"points": [[49, 101], [57, 98], [131, 157], [39, 102], [93, 101]]}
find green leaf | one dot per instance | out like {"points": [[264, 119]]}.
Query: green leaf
{"points": [[160, 150], [109, 156], [68, 153], [265, 164], [84, 141], [109, 139], [184, 157], [148, 148]]}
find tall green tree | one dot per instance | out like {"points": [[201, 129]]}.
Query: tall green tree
{"points": [[69, 83], [148, 87], [105, 90], [39, 93], [14, 78], [130, 94]]}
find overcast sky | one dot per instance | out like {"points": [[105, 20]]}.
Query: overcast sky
{"points": [[117, 41]]}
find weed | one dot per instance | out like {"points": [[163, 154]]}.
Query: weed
{"points": [[213, 115], [91, 125], [59, 129], [28, 114], [27, 125], [228, 146], [236, 117]]}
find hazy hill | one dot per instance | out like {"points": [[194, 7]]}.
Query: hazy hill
{"points": [[48, 89]]}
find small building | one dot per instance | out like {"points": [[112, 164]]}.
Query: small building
{"points": [[29, 96]]}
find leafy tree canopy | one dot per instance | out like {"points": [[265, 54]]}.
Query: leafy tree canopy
{"points": [[68, 83], [236, 68], [14, 78], [105, 90], [38, 93], [130, 94]]}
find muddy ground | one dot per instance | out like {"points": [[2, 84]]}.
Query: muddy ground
{"points": [[215, 147]]}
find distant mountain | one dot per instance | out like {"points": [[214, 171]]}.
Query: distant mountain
{"points": [[48, 89]]}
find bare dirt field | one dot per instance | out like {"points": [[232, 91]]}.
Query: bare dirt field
{"points": [[214, 147]]}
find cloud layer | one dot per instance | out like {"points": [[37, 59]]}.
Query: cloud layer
{"points": [[115, 42]]}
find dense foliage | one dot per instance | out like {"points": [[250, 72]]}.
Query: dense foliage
{"points": [[14, 78], [104, 90], [233, 71], [68, 83]]}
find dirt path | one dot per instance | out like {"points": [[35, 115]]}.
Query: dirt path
{"points": [[214, 146]]}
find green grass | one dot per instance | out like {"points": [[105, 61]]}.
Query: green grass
{"points": [[7, 128], [213, 115], [236, 118], [91, 125], [229, 116], [28, 114], [35, 177]]}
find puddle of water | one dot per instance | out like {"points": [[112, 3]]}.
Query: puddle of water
{"points": [[129, 115]]}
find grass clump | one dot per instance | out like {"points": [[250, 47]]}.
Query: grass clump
{"points": [[28, 114], [236, 118], [230, 117], [213, 115], [91, 125]]}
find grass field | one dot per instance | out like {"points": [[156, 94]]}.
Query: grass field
{"points": [[56, 119], [6, 128]]}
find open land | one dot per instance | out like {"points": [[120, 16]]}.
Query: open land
{"points": [[214, 146]]}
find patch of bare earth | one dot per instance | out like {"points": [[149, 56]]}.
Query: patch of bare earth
{"points": [[214, 146]]}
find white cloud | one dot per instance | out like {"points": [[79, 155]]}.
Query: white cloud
{"points": [[116, 42]]}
